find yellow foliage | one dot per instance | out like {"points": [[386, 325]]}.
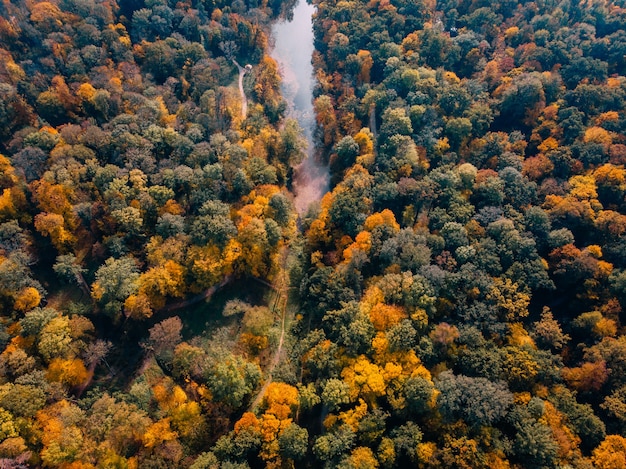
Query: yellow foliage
{"points": [[549, 144], [7, 209], [372, 296], [511, 32], [207, 265], [86, 91], [512, 302], [352, 417], [386, 452], [7, 172], [365, 379], [611, 454], [519, 337], [318, 233], [605, 328], [27, 299], [594, 250], [232, 253], [519, 366], [392, 371], [386, 217], [442, 145], [380, 345], [158, 433], [426, 451], [362, 458], [610, 116], [364, 140], [137, 306], [162, 281], [496, 461], [71, 372], [45, 11], [97, 291], [522, 397], [597, 135], [583, 187]]}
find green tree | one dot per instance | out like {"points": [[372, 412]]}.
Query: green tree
{"points": [[115, 281], [477, 401], [293, 442]]}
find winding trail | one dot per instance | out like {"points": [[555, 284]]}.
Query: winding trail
{"points": [[244, 100], [281, 291]]}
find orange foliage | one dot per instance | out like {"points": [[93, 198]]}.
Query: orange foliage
{"points": [[248, 421], [362, 242], [53, 198], [591, 376], [386, 217], [280, 400], [611, 453], [158, 433], [384, 317], [366, 65], [537, 167], [53, 225], [27, 299], [597, 135]]}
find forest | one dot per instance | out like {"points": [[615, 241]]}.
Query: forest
{"points": [[453, 301]]}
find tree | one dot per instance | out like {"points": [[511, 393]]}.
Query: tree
{"points": [[55, 338], [335, 393], [164, 337], [332, 446], [477, 401], [361, 458], [293, 442], [611, 454], [115, 281]]}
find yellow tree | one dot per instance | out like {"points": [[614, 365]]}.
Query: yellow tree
{"points": [[611, 454], [365, 379]]}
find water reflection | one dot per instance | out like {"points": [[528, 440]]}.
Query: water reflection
{"points": [[293, 49]]}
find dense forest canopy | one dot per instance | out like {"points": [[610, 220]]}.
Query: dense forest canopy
{"points": [[455, 299]]}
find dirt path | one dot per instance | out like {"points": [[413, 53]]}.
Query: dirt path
{"points": [[281, 290], [244, 100]]}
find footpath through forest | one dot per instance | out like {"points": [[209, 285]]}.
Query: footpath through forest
{"points": [[279, 302]]}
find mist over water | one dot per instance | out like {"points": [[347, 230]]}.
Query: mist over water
{"points": [[293, 49]]}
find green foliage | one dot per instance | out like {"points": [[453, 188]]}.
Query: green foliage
{"points": [[471, 243], [477, 401]]}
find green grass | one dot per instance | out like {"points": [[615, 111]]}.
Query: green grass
{"points": [[206, 316]]}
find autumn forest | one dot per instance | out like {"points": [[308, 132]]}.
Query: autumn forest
{"points": [[453, 300]]}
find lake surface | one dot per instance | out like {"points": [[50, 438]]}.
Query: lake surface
{"points": [[293, 49]]}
